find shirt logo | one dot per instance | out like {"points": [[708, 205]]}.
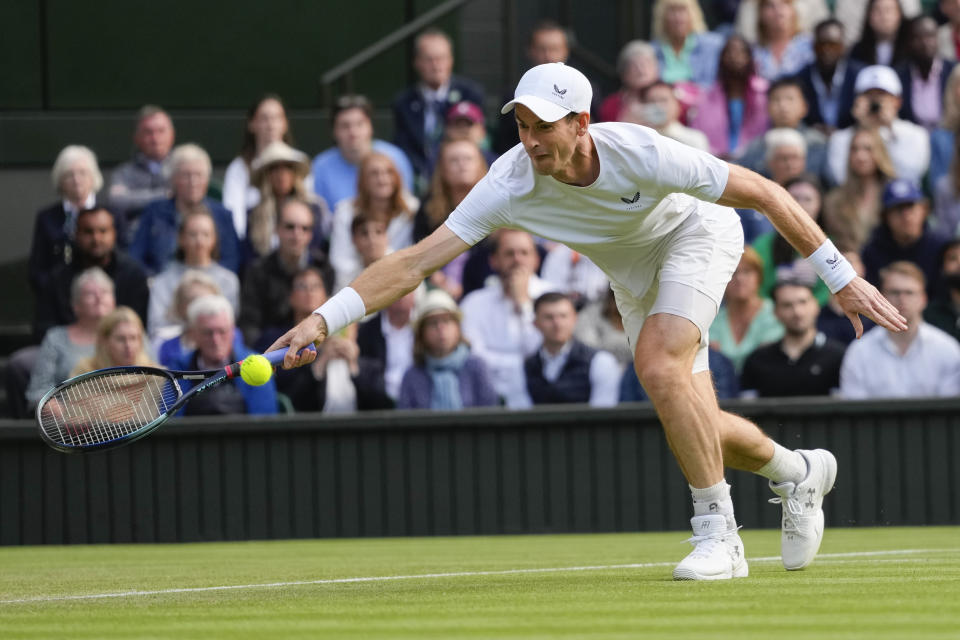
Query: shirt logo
{"points": [[633, 200], [560, 93]]}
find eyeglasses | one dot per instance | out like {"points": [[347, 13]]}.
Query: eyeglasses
{"points": [[289, 226]]}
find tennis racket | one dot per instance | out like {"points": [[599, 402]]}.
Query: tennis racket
{"points": [[109, 408]]}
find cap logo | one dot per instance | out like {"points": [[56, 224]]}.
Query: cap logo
{"points": [[560, 93]]}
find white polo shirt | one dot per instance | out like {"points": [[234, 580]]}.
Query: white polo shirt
{"points": [[647, 186]]}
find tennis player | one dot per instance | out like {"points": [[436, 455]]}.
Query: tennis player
{"points": [[655, 215]]}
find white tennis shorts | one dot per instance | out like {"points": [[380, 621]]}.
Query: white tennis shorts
{"points": [[696, 261]]}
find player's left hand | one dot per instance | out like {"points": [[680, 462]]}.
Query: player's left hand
{"points": [[859, 296]]}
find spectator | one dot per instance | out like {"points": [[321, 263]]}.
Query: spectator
{"points": [[946, 220], [782, 48], [878, 92], [883, 37], [686, 51], [465, 122], [904, 235], [266, 122], [369, 236], [923, 74], [265, 295], [786, 154], [120, 342], [174, 343], [335, 170], [380, 195], [777, 254], [211, 326], [135, 184], [76, 179], [94, 245], [600, 326], [498, 319], [460, 166], [564, 369], [804, 362], [197, 250], [919, 362], [948, 35], [943, 138], [637, 68], [734, 110], [943, 312], [746, 320], [444, 375], [833, 321], [419, 111], [91, 296], [387, 338], [787, 107], [155, 241], [809, 12], [574, 274], [828, 81], [851, 211], [721, 370], [852, 14], [660, 110], [280, 172]]}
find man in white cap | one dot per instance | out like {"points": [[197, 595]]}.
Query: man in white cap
{"points": [[656, 216], [879, 95]]}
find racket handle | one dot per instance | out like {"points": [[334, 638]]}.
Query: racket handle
{"points": [[276, 357]]}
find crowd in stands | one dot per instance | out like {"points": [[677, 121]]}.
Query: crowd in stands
{"points": [[853, 107]]}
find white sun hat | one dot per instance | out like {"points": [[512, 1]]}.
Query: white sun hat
{"points": [[552, 91]]}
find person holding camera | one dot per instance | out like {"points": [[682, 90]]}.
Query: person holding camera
{"points": [[878, 100]]}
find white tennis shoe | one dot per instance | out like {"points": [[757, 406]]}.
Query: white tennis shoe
{"points": [[802, 524], [717, 552]]}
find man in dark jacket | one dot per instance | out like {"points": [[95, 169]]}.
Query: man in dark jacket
{"points": [[828, 81]]}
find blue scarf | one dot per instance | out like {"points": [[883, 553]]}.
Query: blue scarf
{"points": [[443, 373]]}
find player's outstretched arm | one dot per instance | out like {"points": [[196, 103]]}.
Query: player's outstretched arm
{"points": [[748, 190], [380, 284]]}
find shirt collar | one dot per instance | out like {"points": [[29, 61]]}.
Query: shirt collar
{"points": [[435, 94], [563, 354], [72, 210]]}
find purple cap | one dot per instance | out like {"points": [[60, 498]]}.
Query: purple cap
{"points": [[901, 191]]}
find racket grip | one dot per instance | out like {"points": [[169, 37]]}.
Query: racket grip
{"points": [[276, 357]]}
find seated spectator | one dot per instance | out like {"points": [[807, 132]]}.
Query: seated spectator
{"points": [[787, 107], [387, 338], [91, 296], [465, 122], [419, 111], [120, 342], [851, 211], [943, 138], [94, 245], [809, 12], [746, 320], [776, 252], [266, 122], [733, 111], [197, 250], [686, 51], [883, 37], [369, 236], [564, 369], [498, 319], [335, 169], [307, 286], [279, 173], [904, 235], [721, 370], [76, 179], [660, 110], [380, 195], [155, 241], [833, 321], [135, 184], [782, 48], [637, 68], [878, 99], [922, 361], [210, 324], [853, 14], [574, 274], [174, 343], [804, 362], [828, 81], [946, 220], [786, 154], [265, 294], [600, 326], [943, 312], [444, 375], [948, 35], [923, 74]]}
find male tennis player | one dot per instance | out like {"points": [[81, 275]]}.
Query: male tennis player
{"points": [[655, 216]]}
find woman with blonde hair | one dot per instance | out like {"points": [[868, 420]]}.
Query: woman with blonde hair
{"points": [[782, 49], [852, 210], [686, 51], [120, 343]]}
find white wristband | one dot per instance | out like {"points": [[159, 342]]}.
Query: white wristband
{"points": [[342, 309], [831, 266]]}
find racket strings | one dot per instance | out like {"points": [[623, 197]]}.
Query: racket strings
{"points": [[106, 407]]}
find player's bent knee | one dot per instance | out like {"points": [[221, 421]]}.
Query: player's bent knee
{"points": [[661, 374]]}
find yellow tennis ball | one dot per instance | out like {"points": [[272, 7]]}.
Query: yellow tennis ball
{"points": [[256, 370]]}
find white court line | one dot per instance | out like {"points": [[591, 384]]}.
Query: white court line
{"points": [[431, 576]]}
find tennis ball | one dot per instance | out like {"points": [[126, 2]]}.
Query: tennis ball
{"points": [[256, 370]]}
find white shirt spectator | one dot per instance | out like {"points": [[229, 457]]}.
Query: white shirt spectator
{"points": [[239, 196], [874, 368], [502, 337], [574, 274], [907, 143], [605, 374], [399, 354]]}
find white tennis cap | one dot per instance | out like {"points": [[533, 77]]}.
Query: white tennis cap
{"points": [[878, 76], [552, 91]]}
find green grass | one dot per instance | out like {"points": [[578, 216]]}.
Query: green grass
{"points": [[897, 595]]}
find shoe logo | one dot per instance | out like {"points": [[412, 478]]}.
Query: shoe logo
{"points": [[736, 551], [704, 525], [631, 201], [714, 506], [560, 93]]}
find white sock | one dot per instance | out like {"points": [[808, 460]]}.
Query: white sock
{"points": [[714, 500], [784, 466]]}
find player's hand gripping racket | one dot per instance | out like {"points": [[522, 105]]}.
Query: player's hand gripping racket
{"points": [[112, 407]]}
